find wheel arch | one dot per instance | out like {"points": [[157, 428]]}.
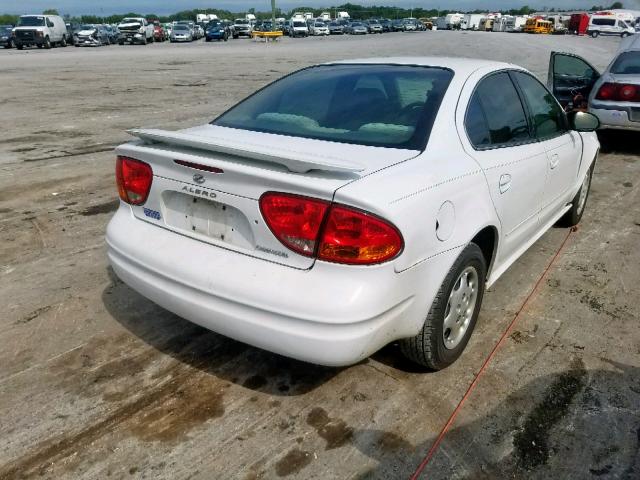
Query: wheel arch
{"points": [[487, 238]]}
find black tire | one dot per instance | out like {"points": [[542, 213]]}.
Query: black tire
{"points": [[595, 34], [144, 40], [19, 46], [9, 44], [573, 216], [63, 43], [428, 348], [47, 43], [624, 34], [120, 42]]}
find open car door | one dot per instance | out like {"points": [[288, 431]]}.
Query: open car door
{"points": [[570, 77]]}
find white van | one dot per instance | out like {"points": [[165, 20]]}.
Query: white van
{"points": [[609, 25], [40, 30]]}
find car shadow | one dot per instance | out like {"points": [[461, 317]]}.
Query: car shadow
{"points": [[572, 424], [208, 351], [618, 141]]}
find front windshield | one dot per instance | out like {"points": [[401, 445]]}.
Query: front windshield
{"points": [[182, 28], [31, 22], [242, 22], [87, 27], [319, 24], [130, 20], [627, 63], [299, 24], [6, 30], [377, 105]]}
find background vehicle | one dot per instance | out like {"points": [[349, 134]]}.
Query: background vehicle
{"points": [[181, 33], [159, 33], [92, 36], [394, 223], [113, 33], [356, 28], [579, 23], [515, 24], [41, 31], [336, 28], [6, 36], [242, 28], [471, 21], [609, 25], [613, 96], [217, 31], [373, 26], [319, 29], [135, 30], [299, 28], [537, 25], [397, 25]]}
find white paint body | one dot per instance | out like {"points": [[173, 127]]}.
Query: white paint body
{"points": [[323, 312]]}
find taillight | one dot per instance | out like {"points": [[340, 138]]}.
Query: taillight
{"points": [[334, 233], [358, 238], [134, 180], [294, 220], [619, 92]]}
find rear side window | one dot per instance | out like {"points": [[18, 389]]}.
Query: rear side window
{"points": [[609, 22], [546, 114], [495, 116]]}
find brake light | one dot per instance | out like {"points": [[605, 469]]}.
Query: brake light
{"points": [[134, 180], [294, 220], [619, 92], [358, 238], [334, 233]]}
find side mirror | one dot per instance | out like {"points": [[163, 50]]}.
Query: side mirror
{"points": [[583, 121]]}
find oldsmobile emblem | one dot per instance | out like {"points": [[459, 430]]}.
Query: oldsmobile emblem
{"points": [[198, 178]]}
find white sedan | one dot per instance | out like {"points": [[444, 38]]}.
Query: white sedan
{"points": [[350, 205]]}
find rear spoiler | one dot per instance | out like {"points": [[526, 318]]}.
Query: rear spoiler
{"points": [[298, 162]]}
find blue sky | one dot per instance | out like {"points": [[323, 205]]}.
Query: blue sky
{"points": [[161, 7]]}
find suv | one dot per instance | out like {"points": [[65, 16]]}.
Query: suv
{"points": [[40, 30], [609, 25], [6, 36], [241, 27], [135, 30]]}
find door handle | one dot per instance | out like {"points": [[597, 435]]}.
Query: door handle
{"points": [[554, 160], [505, 182]]}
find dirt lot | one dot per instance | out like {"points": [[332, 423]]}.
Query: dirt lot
{"points": [[97, 382]]}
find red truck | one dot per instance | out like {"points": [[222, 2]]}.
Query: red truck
{"points": [[578, 23]]}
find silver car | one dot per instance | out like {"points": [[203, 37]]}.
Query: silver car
{"points": [[613, 96]]}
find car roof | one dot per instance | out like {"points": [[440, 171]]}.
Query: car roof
{"points": [[459, 65]]}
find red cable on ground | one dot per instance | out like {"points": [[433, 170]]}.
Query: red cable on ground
{"points": [[454, 414]]}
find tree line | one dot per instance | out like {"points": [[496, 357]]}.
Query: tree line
{"points": [[355, 11]]}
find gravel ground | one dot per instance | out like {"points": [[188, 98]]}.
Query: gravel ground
{"points": [[96, 381]]}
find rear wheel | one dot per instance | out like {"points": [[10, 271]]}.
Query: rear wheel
{"points": [[573, 216], [63, 43], [453, 314], [595, 34], [624, 34]]}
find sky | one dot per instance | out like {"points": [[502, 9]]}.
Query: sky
{"points": [[163, 7]]}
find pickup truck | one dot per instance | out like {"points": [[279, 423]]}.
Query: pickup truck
{"points": [[135, 30]]}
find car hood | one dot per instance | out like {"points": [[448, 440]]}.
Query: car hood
{"points": [[87, 32], [130, 25]]}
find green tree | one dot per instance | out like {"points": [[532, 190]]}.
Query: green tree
{"points": [[616, 5], [50, 11]]}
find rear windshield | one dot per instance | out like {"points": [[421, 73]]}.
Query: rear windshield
{"points": [[31, 22], [628, 63], [377, 105]]}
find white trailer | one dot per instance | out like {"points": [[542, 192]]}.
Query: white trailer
{"points": [[343, 16], [471, 21], [441, 23], [516, 24], [452, 20], [500, 24]]}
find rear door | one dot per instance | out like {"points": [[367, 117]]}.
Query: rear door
{"points": [[569, 76], [562, 145], [514, 163]]}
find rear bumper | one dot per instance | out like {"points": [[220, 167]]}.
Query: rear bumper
{"points": [[615, 118], [330, 315]]}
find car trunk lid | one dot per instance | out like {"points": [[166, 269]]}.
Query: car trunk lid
{"points": [[208, 181]]}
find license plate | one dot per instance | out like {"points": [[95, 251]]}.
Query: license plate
{"points": [[202, 216]]}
